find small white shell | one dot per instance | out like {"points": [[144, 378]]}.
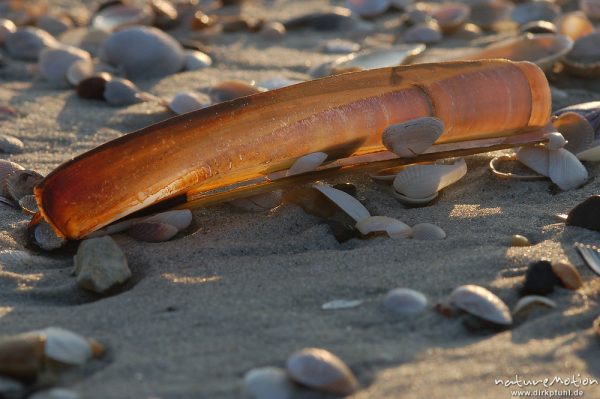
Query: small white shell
{"points": [[259, 202], [340, 46], [121, 92], [404, 301], [55, 62], [195, 60], [7, 27], [413, 137], [10, 144], [368, 8], [565, 170], [321, 370], [66, 346], [26, 43], [55, 393], [393, 227], [185, 102], [555, 141], [180, 219], [45, 237], [527, 302], [536, 158], [482, 303], [268, 383], [80, 70], [338, 304], [307, 163], [423, 181], [427, 231], [152, 231], [347, 203]]}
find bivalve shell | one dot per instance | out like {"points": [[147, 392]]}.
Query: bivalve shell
{"points": [[55, 62], [340, 46], [7, 27], [565, 170], [412, 138], [45, 237], [577, 131], [307, 163], [10, 144], [451, 16], [555, 141], [537, 10], [426, 32], [268, 383], [232, 89], [591, 256], [568, 275], [185, 102], [405, 301], [28, 203], [21, 183], [79, 70], [27, 43], [427, 231], [536, 158], [591, 8], [152, 231], [93, 87], [423, 181], [321, 370], [347, 203], [574, 24], [526, 304], [584, 58], [121, 92], [121, 15], [482, 303], [379, 224], [195, 60], [338, 304], [181, 219], [377, 58]]}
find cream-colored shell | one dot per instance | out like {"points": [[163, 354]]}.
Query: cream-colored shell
{"points": [[536, 158], [413, 137], [565, 170], [526, 303], [423, 181], [347, 203], [482, 303], [307, 163]]}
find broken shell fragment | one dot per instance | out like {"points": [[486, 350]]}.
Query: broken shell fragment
{"points": [[143, 52], [528, 303], [482, 303], [55, 62], [586, 214], [10, 144], [539, 279], [427, 231], [195, 60], [268, 383], [27, 43], [568, 275], [590, 255], [307, 163], [6, 169], [347, 203], [185, 102], [100, 265], [383, 224], [565, 170], [21, 183], [44, 236], [412, 138], [321, 370], [404, 301], [152, 231]]}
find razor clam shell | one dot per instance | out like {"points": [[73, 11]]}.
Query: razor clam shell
{"points": [[427, 231], [405, 301], [565, 170], [482, 303], [375, 224], [180, 219], [574, 24], [368, 8], [590, 255], [576, 130], [347, 203], [55, 393], [525, 304], [268, 383], [152, 231], [258, 203], [21, 183], [29, 204], [423, 181], [7, 27], [536, 158], [55, 62], [195, 60], [307, 163], [338, 304], [27, 43], [121, 92], [143, 52], [321, 370], [46, 238], [185, 102], [413, 137], [10, 144]]}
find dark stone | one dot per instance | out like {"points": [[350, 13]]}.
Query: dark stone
{"points": [[539, 279], [92, 88], [586, 214]]}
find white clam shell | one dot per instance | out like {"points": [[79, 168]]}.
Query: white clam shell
{"points": [[27, 43], [181, 219], [321, 370], [259, 202], [536, 158], [55, 393], [66, 347], [338, 304], [526, 303], [482, 303], [46, 238], [413, 137], [143, 52], [555, 141], [409, 201], [368, 8], [121, 92], [307, 163], [268, 383], [405, 301], [152, 231], [195, 60], [10, 144], [347, 203], [424, 181], [185, 102], [565, 170], [80, 70], [100, 264], [393, 227], [55, 62], [427, 231], [7, 27]]}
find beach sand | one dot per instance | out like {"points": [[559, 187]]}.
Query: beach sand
{"points": [[244, 290]]}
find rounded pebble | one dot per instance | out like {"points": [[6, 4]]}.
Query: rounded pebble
{"points": [[268, 383], [100, 264], [539, 279], [517, 240], [405, 301]]}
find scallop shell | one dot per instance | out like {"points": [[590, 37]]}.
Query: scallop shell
{"points": [[268, 383], [10, 144], [55, 62], [377, 224], [482, 303], [404, 301], [7, 27], [574, 24], [152, 231], [536, 158], [538, 10], [568, 275], [368, 8], [426, 32], [29, 204], [412, 138], [21, 183], [195, 60], [584, 58], [143, 52], [180, 219], [576, 130], [79, 70], [118, 16], [121, 92], [45, 237], [590, 255], [527, 303], [185, 102], [307, 163], [347, 203], [423, 181], [565, 170], [427, 231], [258, 203], [321, 370], [27, 43]]}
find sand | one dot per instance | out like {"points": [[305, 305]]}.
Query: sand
{"points": [[244, 290]]}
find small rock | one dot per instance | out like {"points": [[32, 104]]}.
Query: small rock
{"points": [[517, 240], [268, 383], [100, 265], [539, 279]]}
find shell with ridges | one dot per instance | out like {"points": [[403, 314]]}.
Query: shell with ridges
{"points": [[347, 203], [413, 137], [482, 303], [423, 181], [536, 158], [376, 224], [21, 183], [565, 170], [590, 255]]}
